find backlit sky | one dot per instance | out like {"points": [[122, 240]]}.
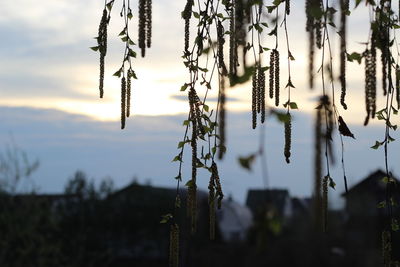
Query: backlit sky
{"points": [[50, 105]]}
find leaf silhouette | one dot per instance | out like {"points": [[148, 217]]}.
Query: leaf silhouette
{"points": [[343, 129]]}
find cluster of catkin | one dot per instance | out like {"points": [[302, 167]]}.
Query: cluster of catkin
{"points": [[221, 118], [186, 15], [125, 97], [344, 9], [102, 44], [386, 248], [258, 95], [239, 13], [288, 138], [195, 118], [274, 76], [370, 81], [322, 135], [314, 29], [214, 193], [325, 203], [174, 245], [144, 38]]}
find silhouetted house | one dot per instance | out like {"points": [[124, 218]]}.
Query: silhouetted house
{"points": [[276, 201], [234, 221], [366, 216], [301, 206]]}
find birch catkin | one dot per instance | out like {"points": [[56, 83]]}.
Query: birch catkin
{"points": [[102, 44], [318, 165], [211, 204], [174, 245], [325, 202], [220, 51], [186, 15], [192, 189], [271, 73], [128, 93], [370, 82], [254, 99], [221, 118], [148, 15], [288, 138], [344, 8], [232, 42], [261, 92], [123, 99], [142, 27], [276, 74]]}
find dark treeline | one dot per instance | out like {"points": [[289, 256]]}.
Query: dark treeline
{"points": [[95, 225]]}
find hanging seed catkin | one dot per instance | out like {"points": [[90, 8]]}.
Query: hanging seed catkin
{"points": [[232, 42], [258, 91], [397, 86], [271, 73], [192, 190], [148, 22], [317, 6], [123, 101], [325, 203], [311, 41], [128, 93], [211, 204], [384, 73], [287, 7], [220, 51], [370, 82], [102, 44], [317, 165], [174, 245], [386, 248], [254, 99], [288, 138], [218, 187], [186, 15], [344, 7], [261, 93], [142, 27], [221, 118], [276, 78]]}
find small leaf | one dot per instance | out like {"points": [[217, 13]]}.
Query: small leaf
{"points": [[177, 158], [293, 105], [395, 225], [130, 15], [354, 56], [165, 218], [343, 129], [131, 53], [377, 145], [283, 117], [123, 32], [118, 73], [95, 48], [206, 108], [291, 57], [183, 87], [381, 205], [246, 162], [181, 144], [332, 183]]}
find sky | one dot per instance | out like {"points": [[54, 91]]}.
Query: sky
{"points": [[50, 107]]}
